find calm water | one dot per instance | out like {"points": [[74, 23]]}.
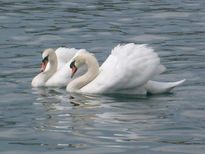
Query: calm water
{"points": [[53, 121]]}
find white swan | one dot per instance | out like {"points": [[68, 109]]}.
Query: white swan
{"points": [[55, 67], [129, 69]]}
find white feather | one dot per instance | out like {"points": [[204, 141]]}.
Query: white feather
{"points": [[62, 76], [129, 69]]}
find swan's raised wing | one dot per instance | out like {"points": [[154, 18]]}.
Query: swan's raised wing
{"points": [[64, 55], [128, 67]]}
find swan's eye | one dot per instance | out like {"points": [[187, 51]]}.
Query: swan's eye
{"points": [[45, 59], [72, 64]]}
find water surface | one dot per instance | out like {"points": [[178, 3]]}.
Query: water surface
{"points": [[53, 121]]}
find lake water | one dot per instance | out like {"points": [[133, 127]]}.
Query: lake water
{"points": [[53, 121]]}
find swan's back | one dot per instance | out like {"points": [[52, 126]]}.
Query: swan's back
{"points": [[64, 55], [128, 67]]}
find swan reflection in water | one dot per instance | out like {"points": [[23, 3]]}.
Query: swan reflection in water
{"points": [[83, 121], [87, 116], [64, 112]]}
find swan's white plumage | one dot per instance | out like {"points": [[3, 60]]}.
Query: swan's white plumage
{"points": [[155, 87], [129, 69], [62, 76], [64, 55], [129, 66]]}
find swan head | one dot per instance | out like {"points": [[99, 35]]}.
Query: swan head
{"points": [[47, 55], [76, 63], [84, 59]]}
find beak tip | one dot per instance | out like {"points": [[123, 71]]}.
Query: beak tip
{"points": [[74, 69], [43, 66]]}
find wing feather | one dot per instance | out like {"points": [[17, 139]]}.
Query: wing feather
{"points": [[64, 55], [127, 67]]}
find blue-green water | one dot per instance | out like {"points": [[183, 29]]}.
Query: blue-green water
{"points": [[53, 121]]}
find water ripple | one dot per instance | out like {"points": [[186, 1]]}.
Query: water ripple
{"points": [[49, 120]]}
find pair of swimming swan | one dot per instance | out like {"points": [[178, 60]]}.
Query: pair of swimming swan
{"points": [[55, 70], [128, 70]]}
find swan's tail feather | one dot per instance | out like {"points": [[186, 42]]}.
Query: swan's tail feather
{"points": [[155, 87]]}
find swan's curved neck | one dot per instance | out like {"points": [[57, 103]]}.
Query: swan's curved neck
{"points": [[53, 66], [90, 75], [43, 77]]}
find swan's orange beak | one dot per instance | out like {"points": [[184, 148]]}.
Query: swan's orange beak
{"points": [[74, 69], [43, 66], [44, 63]]}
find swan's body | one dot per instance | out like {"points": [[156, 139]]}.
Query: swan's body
{"points": [[55, 67], [129, 69]]}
